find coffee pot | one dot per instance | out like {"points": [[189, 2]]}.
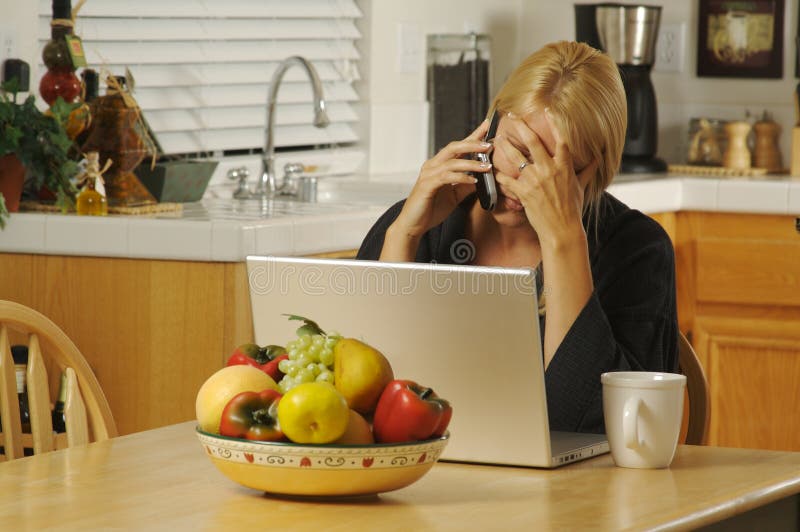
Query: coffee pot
{"points": [[627, 33]]}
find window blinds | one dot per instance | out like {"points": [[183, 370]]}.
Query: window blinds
{"points": [[202, 67]]}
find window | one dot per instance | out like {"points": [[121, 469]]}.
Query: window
{"points": [[202, 67]]}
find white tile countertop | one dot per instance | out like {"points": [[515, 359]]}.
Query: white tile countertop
{"points": [[226, 230]]}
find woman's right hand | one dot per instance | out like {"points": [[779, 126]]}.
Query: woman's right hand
{"points": [[443, 182]]}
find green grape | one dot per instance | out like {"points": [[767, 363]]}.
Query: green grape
{"points": [[286, 384], [314, 368], [305, 375], [304, 341], [325, 376], [317, 340], [292, 368], [313, 355], [326, 357], [293, 353], [304, 360], [284, 365], [330, 341]]}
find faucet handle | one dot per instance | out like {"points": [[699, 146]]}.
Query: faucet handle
{"points": [[291, 170], [241, 174]]}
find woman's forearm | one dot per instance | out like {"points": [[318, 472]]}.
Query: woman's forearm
{"points": [[567, 284], [399, 245]]}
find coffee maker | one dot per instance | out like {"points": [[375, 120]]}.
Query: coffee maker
{"points": [[627, 33]]}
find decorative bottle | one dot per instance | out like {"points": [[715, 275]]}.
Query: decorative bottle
{"points": [[20, 355], [80, 118], [90, 202], [60, 78], [59, 421]]}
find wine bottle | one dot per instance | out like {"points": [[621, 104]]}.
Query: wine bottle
{"points": [[59, 421], [20, 355]]}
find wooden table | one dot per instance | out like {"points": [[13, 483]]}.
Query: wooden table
{"points": [[161, 479]]}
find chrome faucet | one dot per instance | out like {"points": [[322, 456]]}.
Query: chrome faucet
{"points": [[267, 184]]}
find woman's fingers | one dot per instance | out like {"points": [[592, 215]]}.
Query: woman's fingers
{"points": [[531, 141], [473, 143], [562, 155], [480, 132], [511, 152], [458, 148]]}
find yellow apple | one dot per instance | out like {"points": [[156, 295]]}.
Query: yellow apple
{"points": [[361, 372], [313, 412], [358, 431], [220, 388]]}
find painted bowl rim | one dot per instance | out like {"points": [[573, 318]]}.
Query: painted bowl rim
{"points": [[292, 445]]}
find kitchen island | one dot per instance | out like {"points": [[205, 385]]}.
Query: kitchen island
{"points": [[157, 304]]}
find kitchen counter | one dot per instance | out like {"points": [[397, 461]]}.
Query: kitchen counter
{"points": [[222, 230], [124, 288]]}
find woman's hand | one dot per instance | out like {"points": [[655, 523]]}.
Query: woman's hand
{"points": [[552, 195], [443, 182], [547, 185]]}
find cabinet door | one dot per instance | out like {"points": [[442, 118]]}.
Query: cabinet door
{"points": [[753, 370]]}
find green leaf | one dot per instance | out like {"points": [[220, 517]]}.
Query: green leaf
{"points": [[309, 327]]}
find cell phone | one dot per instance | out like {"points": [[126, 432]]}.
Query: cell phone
{"points": [[486, 186]]}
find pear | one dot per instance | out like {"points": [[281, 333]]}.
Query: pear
{"points": [[361, 372]]}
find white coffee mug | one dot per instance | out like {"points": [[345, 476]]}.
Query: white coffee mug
{"points": [[643, 412]]}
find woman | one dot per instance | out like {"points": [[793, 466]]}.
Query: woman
{"points": [[608, 271]]}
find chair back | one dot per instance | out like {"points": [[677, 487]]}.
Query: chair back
{"points": [[697, 388], [86, 412]]}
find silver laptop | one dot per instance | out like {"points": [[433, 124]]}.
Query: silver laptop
{"points": [[470, 333]]}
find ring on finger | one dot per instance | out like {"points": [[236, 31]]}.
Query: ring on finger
{"points": [[522, 165]]}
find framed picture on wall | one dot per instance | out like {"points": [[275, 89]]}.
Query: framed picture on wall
{"points": [[741, 39]]}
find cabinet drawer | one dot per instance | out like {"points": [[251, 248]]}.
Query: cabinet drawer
{"points": [[748, 271]]}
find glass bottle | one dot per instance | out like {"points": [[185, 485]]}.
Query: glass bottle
{"points": [[20, 355], [60, 78], [90, 202], [59, 421], [80, 118]]}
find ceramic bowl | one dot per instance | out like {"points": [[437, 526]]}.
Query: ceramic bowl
{"points": [[321, 470]]}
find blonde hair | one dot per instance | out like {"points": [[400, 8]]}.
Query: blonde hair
{"points": [[582, 89]]}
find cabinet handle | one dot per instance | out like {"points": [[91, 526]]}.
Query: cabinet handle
{"points": [[797, 224]]}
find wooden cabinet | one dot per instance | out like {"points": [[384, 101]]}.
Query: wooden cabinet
{"points": [[151, 330], [739, 302]]}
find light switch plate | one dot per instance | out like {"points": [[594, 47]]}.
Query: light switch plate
{"points": [[409, 48]]}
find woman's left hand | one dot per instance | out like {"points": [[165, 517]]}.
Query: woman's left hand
{"points": [[547, 185]]}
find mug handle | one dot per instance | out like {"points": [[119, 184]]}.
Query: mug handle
{"points": [[630, 423]]}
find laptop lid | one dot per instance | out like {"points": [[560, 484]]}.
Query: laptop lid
{"points": [[470, 333]]}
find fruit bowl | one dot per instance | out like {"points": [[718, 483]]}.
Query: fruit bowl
{"points": [[285, 468]]}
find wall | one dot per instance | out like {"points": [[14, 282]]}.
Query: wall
{"points": [[397, 100], [682, 95], [394, 100], [394, 108]]}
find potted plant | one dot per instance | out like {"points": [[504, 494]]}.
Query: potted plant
{"points": [[39, 142]]}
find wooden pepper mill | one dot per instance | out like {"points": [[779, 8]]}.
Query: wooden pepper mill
{"points": [[737, 155], [766, 153]]}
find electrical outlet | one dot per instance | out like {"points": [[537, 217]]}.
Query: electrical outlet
{"points": [[670, 47]]}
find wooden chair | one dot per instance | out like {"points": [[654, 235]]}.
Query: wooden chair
{"points": [[697, 388], [87, 414]]}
